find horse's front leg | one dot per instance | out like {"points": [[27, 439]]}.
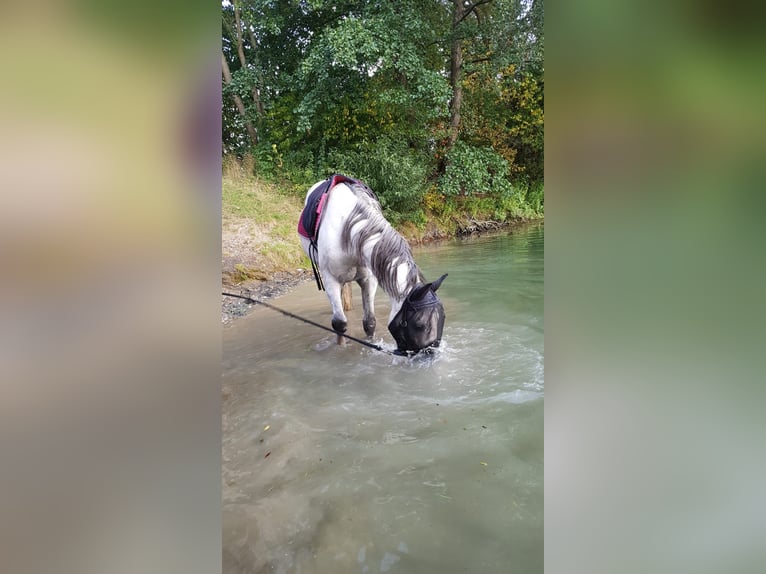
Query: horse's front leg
{"points": [[369, 286], [333, 289]]}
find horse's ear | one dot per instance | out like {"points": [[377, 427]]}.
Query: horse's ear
{"points": [[436, 284]]}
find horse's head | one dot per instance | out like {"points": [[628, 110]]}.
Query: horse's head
{"points": [[420, 321]]}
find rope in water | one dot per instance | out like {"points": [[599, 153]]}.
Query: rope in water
{"points": [[310, 322]]}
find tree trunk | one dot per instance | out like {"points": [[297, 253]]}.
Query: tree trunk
{"points": [[238, 102], [456, 64], [256, 91], [240, 46], [241, 53]]}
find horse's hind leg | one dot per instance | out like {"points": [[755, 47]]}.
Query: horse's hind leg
{"points": [[345, 296], [369, 285]]}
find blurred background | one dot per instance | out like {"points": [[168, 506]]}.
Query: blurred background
{"points": [[109, 305], [110, 144], [654, 143]]}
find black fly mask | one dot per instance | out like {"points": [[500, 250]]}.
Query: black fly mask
{"points": [[420, 321]]}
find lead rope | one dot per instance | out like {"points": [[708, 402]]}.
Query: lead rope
{"points": [[310, 322]]}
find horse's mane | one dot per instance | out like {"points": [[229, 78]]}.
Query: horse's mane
{"points": [[364, 224]]}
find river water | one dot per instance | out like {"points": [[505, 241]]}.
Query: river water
{"points": [[346, 460]]}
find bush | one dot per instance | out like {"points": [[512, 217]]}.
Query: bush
{"points": [[475, 170], [393, 171], [535, 197]]}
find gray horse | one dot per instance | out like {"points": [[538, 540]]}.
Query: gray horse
{"points": [[345, 235]]}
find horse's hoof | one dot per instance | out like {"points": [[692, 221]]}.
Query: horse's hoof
{"points": [[339, 326], [369, 327]]}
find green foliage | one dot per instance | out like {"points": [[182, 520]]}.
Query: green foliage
{"points": [[268, 160], [535, 197], [396, 174], [362, 87], [368, 75], [475, 170], [504, 108]]}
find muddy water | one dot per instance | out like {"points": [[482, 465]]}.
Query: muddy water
{"points": [[343, 459]]}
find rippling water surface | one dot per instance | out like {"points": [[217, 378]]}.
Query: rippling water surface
{"points": [[343, 459]]}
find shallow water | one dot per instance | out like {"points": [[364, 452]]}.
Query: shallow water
{"points": [[343, 459]]}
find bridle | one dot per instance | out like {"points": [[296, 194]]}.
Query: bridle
{"points": [[399, 325]]}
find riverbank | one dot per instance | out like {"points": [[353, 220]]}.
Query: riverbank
{"points": [[284, 281], [280, 283], [261, 255]]}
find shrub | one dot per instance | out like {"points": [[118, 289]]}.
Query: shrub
{"points": [[394, 172], [536, 197], [268, 160], [475, 170]]}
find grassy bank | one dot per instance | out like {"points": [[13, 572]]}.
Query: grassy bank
{"points": [[258, 227], [259, 236]]}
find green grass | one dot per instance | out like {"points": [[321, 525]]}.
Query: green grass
{"points": [[246, 197], [261, 219], [243, 200]]}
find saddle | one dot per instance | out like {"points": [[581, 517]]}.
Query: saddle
{"points": [[308, 224], [311, 217]]}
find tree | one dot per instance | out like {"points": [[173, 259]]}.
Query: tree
{"points": [[227, 79], [461, 9], [497, 80], [386, 88], [245, 78]]}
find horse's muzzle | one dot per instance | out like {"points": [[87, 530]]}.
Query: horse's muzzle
{"points": [[429, 350]]}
